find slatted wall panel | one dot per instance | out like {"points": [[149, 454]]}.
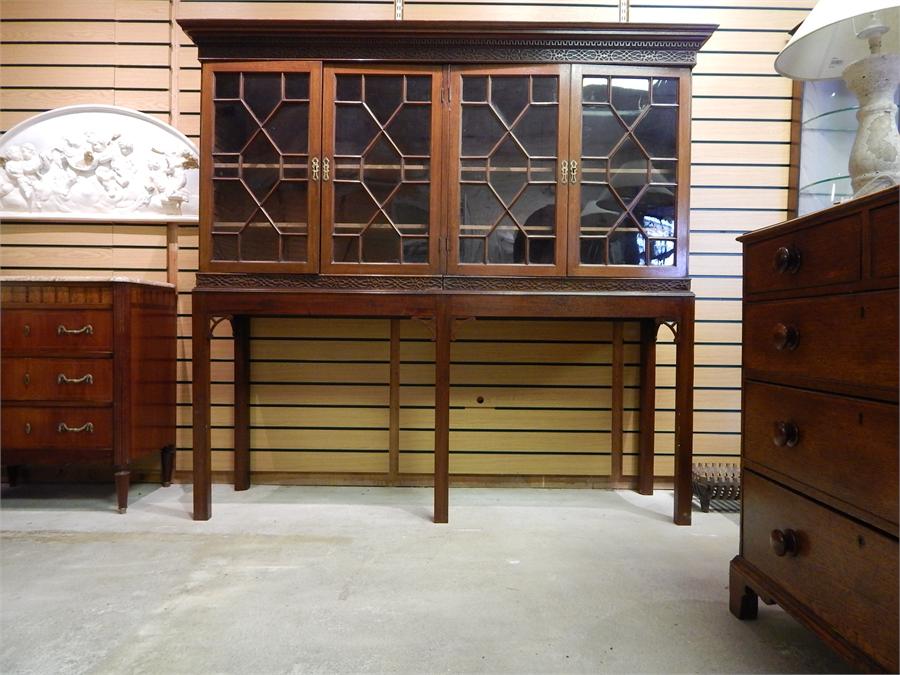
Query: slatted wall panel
{"points": [[67, 52], [320, 391]]}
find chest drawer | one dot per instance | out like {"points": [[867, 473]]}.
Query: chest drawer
{"points": [[61, 330], [844, 571], [848, 339], [25, 379], [57, 428], [816, 256], [842, 446]]}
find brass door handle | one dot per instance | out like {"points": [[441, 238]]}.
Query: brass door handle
{"points": [[326, 169], [84, 330], [564, 172], [87, 426], [85, 379], [315, 168], [573, 171]]}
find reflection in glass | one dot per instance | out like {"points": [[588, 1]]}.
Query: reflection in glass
{"points": [[662, 252], [471, 250], [544, 89], [630, 95], [502, 244], [595, 90], [480, 131], [657, 131], [537, 131], [232, 205], [600, 210], [655, 211], [627, 246], [346, 249], [354, 129], [535, 210], [384, 94], [593, 251], [628, 170], [285, 124], [509, 96], [233, 126], [353, 206], [288, 203], [410, 129], [262, 92], [601, 130], [259, 242], [380, 244], [408, 208], [664, 171], [665, 91], [415, 250]]}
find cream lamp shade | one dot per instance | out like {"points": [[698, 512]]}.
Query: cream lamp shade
{"points": [[859, 41]]}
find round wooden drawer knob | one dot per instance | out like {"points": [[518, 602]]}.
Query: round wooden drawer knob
{"points": [[786, 434], [787, 260], [785, 338], [784, 542]]}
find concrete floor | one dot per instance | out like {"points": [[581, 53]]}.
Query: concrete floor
{"points": [[324, 580]]}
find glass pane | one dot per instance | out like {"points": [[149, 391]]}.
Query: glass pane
{"points": [[415, 250], [408, 209], [540, 250], [600, 210], [232, 205], [295, 171], [354, 129], [348, 87], [630, 95], [260, 181], [600, 131], [295, 248], [383, 94], [233, 127], [665, 90], [662, 252], [508, 170], [593, 251], [535, 210], [262, 92], [352, 204], [346, 169], [418, 88], [381, 243], [381, 169], [225, 247], [474, 88], [471, 250], [478, 205], [543, 171], [289, 128], [663, 171], [228, 85], [288, 204], [536, 131], [657, 131], [628, 170], [595, 90], [506, 244], [480, 131], [509, 96], [260, 151], [655, 211], [544, 89], [627, 246], [593, 170], [417, 169], [259, 241], [346, 249], [410, 129], [296, 86], [473, 169]]}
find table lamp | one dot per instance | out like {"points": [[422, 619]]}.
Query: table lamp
{"points": [[859, 41]]}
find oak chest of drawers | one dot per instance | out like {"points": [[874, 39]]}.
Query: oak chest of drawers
{"points": [[88, 374], [819, 519]]}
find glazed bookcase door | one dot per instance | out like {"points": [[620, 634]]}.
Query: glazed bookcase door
{"points": [[261, 138], [507, 201], [381, 170], [628, 191]]}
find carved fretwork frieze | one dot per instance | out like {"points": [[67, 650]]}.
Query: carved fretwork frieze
{"points": [[667, 53], [565, 285], [318, 282]]}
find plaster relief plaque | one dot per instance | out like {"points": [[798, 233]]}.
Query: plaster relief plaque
{"points": [[96, 161]]}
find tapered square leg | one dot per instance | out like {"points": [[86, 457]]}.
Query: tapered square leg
{"points": [[684, 413], [167, 461], [123, 482], [201, 400], [442, 415]]}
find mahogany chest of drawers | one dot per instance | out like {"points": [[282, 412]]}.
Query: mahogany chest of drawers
{"points": [[88, 374], [819, 520]]}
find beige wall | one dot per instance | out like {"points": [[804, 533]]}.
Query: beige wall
{"points": [[320, 392]]}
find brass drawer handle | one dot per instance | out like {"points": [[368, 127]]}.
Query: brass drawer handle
{"points": [[787, 260], [786, 434], [27, 427], [27, 330], [84, 379], [84, 330], [87, 426], [785, 542], [27, 379], [785, 338]]}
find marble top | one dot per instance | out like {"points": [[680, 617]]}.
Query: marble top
{"points": [[69, 280]]}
